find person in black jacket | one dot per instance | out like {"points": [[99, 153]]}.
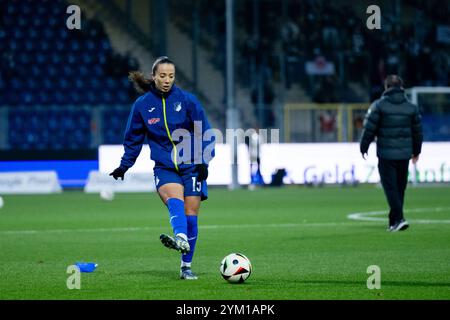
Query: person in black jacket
{"points": [[396, 123]]}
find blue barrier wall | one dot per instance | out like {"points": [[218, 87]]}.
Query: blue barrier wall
{"points": [[71, 173]]}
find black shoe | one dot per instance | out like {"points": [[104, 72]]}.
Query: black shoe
{"points": [[399, 226], [176, 243]]}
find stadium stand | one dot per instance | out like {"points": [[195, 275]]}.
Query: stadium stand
{"points": [[45, 65]]}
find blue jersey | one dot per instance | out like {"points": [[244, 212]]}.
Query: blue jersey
{"points": [[156, 116]]}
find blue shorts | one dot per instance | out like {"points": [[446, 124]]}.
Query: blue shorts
{"points": [[186, 177]]}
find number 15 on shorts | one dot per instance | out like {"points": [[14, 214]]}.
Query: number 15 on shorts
{"points": [[196, 186]]}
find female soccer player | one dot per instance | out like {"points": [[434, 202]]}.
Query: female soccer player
{"points": [[180, 179]]}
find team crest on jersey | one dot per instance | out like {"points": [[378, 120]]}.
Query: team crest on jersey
{"points": [[177, 106]]}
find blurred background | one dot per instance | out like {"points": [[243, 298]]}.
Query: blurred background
{"points": [[308, 68]]}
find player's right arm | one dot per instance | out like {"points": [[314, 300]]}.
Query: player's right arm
{"points": [[133, 140], [134, 137], [371, 122]]}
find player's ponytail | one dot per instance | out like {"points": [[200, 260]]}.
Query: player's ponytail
{"points": [[140, 82]]}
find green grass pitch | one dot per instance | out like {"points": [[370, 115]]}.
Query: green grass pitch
{"points": [[300, 241]]}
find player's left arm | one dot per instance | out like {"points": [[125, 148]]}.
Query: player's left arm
{"points": [[201, 126], [417, 134]]}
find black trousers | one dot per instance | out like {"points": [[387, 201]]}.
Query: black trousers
{"points": [[394, 178]]}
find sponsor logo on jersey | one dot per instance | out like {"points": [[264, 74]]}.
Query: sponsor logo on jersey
{"points": [[153, 120]]}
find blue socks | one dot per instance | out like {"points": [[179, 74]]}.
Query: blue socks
{"points": [[183, 225], [192, 232], [177, 216]]}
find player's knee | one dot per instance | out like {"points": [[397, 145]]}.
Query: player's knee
{"points": [[191, 211], [165, 196], [168, 192], [191, 205]]}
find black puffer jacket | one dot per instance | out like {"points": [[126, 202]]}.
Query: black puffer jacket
{"points": [[396, 123]]}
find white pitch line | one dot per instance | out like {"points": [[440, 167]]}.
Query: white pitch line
{"points": [[358, 216], [71, 230], [367, 216], [224, 226]]}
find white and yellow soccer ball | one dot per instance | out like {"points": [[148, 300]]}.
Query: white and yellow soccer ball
{"points": [[235, 268]]}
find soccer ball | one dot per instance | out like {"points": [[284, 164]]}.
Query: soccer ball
{"points": [[107, 195], [235, 268]]}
